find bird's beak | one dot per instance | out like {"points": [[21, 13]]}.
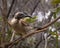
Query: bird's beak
{"points": [[28, 16]]}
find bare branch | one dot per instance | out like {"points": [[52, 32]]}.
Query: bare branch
{"points": [[10, 8], [4, 20], [48, 24], [35, 7], [23, 37], [38, 31]]}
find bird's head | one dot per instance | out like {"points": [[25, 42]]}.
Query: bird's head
{"points": [[21, 15]]}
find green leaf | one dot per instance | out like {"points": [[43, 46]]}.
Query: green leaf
{"points": [[57, 11], [31, 20], [53, 33], [57, 24], [54, 15], [34, 17], [0, 18], [8, 37], [56, 39], [55, 2]]}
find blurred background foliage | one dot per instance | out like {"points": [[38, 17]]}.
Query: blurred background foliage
{"points": [[43, 6]]}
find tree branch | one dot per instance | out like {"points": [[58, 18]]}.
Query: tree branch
{"points": [[35, 7], [4, 13], [38, 43], [31, 33], [48, 24], [10, 8], [23, 37]]}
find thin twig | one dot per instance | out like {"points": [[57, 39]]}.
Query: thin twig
{"points": [[35, 7], [48, 24], [10, 8]]}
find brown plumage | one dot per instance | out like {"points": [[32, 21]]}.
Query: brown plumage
{"points": [[18, 24]]}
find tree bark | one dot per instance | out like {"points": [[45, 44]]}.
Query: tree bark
{"points": [[4, 22]]}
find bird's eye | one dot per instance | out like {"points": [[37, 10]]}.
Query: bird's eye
{"points": [[19, 16]]}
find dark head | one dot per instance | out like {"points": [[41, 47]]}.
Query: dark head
{"points": [[20, 15]]}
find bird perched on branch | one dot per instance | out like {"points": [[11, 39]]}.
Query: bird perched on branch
{"points": [[18, 23]]}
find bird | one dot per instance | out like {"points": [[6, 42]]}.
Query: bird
{"points": [[18, 24]]}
